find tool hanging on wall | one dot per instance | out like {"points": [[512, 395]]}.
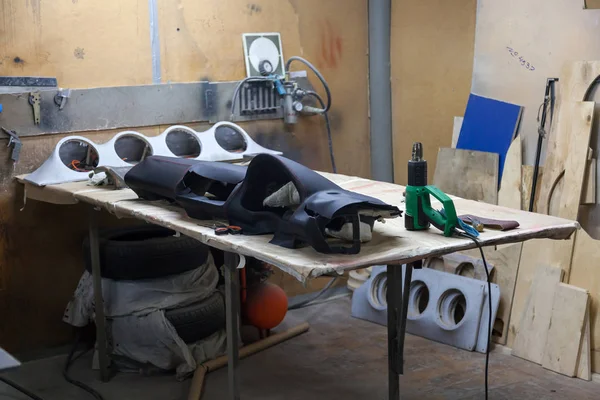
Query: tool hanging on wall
{"points": [[34, 100], [266, 93], [548, 104], [15, 141]]}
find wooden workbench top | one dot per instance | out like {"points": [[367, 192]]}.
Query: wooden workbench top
{"points": [[391, 242]]}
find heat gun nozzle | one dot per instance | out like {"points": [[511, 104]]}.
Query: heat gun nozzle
{"points": [[417, 152]]}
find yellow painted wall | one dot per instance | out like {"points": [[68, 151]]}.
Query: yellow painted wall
{"points": [[91, 43], [432, 62]]}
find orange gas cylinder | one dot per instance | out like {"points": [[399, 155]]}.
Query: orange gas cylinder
{"points": [[266, 305]]}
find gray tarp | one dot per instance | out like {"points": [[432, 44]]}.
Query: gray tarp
{"points": [[137, 326]]}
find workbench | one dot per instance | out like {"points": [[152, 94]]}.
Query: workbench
{"points": [[392, 245]]}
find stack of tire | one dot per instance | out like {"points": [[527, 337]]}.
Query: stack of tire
{"points": [[153, 252]]}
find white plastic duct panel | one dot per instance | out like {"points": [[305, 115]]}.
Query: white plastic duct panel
{"points": [[75, 156], [447, 308], [460, 264]]}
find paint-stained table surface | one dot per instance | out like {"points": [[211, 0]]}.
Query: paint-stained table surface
{"points": [[391, 242]]}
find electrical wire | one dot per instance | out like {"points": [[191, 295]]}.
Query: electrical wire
{"points": [[310, 301], [317, 73], [70, 359], [327, 122], [489, 298], [20, 388]]}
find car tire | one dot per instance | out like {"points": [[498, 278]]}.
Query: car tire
{"points": [[199, 320], [145, 252]]}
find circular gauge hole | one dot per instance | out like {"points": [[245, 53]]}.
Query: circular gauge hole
{"points": [[78, 155], [418, 298], [436, 263], [132, 149], [183, 144], [451, 308], [377, 295], [467, 270], [230, 139]]}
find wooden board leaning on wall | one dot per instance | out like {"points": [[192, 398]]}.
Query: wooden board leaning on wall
{"points": [[482, 169], [560, 194]]}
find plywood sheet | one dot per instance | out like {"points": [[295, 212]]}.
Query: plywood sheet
{"points": [[531, 336], [576, 161], [567, 323], [95, 44], [82, 44], [592, 4], [456, 130], [391, 241], [469, 174], [509, 194], [573, 180], [433, 69], [589, 184], [584, 360], [202, 40], [518, 75], [579, 115], [526, 185], [585, 274], [505, 260]]}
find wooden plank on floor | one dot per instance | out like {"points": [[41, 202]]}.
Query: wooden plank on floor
{"points": [[584, 359], [567, 322], [543, 252], [530, 339], [469, 174], [505, 259], [585, 274]]}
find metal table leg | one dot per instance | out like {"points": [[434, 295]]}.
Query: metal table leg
{"points": [[405, 299], [101, 340], [394, 290], [398, 290], [232, 292]]}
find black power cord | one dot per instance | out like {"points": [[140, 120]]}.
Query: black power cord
{"points": [[20, 388], [70, 359], [317, 73], [489, 298], [329, 140]]}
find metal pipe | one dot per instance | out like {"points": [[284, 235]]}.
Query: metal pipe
{"points": [[548, 103], [380, 91], [195, 392], [232, 310], [101, 339]]}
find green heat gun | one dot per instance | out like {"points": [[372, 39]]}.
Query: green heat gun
{"points": [[419, 214]]}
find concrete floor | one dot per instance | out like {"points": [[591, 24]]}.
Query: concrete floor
{"points": [[339, 358]]}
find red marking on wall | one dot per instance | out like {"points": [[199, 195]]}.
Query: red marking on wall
{"points": [[331, 46]]}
